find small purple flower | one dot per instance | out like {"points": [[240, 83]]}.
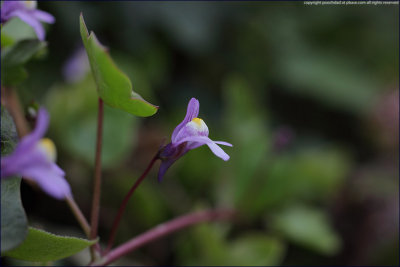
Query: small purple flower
{"points": [[191, 133], [27, 12], [77, 66], [34, 159]]}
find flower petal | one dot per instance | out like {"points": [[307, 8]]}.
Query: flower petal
{"points": [[29, 19], [218, 151], [43, 16], [191, 113], [77, 66], [202, 140], [7, 8], [223, 143], [51, 180]]}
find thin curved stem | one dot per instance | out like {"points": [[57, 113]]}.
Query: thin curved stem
{"points": [[94, 219], [163, 230], [78, 215], [121, 210]]}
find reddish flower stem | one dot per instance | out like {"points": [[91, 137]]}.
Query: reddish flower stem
{"points": [[121, 210], [16, 111], [94, 219], [163, 230]]}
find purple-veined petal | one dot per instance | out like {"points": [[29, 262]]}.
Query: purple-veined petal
{"points": [[29, 19], [223, 143], [192, 112], [203, 140], [43, 16]]}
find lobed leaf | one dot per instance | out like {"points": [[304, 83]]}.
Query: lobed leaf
{"points": [[42, 246], [113, 86]]}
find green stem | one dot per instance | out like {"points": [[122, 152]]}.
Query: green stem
{"points": [[125, 202], [78, 215], [94, 219]]}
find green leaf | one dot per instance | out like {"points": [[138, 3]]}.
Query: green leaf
{"points": [[333, 79], [246, 123], [14, 57], [307, 227], [256, 249], [14, 224], [8, 132], [13, 219], [114, 87], [17, 30], [43, 246], [6, 40], [207, 244]]}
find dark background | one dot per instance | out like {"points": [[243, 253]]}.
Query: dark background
{"points": [[308, 96]]}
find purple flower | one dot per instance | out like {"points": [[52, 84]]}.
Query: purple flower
{"points": [[191, 133], [27, 12], [77, 66], [34, 158]]}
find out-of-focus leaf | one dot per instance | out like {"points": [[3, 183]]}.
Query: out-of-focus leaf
{"points": [[207, 245], [114, 87], [17, 30], [256, 249], [307, 174], [75, 105], [8, 132], [6, 40], [14, 225], [307, 227], [246, 124], [14, 57], [13, 219], [148, 208], [43, 246], [329, 78]]}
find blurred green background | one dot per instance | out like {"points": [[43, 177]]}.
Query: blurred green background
{"points": [[308, 96]]}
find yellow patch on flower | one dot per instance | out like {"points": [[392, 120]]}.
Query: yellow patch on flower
{"points": [[30, 4], [49, 148], [198, 121]]}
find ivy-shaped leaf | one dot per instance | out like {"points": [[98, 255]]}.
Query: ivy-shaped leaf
{"points": [[14, 224], [114, 87], [308, 227], [41, 246], [13, 59]]}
